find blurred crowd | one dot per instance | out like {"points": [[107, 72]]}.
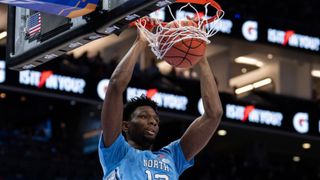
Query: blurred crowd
{"points": [[23, 157]]}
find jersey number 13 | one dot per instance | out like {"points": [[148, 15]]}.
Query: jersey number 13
{"points": [[156, 176]]}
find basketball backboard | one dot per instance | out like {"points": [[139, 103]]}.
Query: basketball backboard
{"points": [[36, 37]]}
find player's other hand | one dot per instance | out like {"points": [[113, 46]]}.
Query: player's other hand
{"points": [[141, 37], [149, 24]]}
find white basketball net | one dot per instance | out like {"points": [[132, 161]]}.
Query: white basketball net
{"points": [[163, 38]]}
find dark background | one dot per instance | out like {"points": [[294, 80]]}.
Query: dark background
{"points": [[45, 136]]}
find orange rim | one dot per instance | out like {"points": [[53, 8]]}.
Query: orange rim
{"points": [[204, 2], [201, 2]]}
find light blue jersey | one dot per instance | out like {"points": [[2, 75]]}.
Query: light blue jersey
{"points": [[120, 161]]}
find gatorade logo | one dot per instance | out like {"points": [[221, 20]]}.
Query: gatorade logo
{"points": [[164, 100], [247, 112], [252, 114], [301, 122], [292, 39], [43, 78], [287, 37], [49, 80], [2, 71], [151, 93], [250, 30], [102, 88]]}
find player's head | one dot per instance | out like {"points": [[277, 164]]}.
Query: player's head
{"points": [[141, 121]]}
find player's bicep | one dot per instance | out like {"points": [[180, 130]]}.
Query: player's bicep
{"points": [[111, 116]]}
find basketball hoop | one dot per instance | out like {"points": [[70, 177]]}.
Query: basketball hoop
{"points": [[165, 35]]}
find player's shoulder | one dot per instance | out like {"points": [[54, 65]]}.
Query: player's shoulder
{"points": [[172, 146]]}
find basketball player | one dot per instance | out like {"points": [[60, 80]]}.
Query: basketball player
{"points": [[130, 157]]}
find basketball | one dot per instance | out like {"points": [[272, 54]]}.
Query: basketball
{"points": [[185, 53]]}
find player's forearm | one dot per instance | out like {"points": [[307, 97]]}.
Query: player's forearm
{"points": [[112, 112], [209, 92], [123, 72]]}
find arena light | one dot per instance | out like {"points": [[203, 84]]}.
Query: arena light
{"points": [[315, 73], [222, 132], [3, 95], [306, 145], [91, 134], [249, 61], [244, 89], [254, 85], [3, 35], [296, 158], [262, 83]]}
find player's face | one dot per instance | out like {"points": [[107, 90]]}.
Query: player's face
{"points": [[144, 124]]}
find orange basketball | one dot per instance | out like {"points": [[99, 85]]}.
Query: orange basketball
{"points": [[186, 53]]}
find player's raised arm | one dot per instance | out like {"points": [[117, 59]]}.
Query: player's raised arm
{"points": [[112, 111], [201, 130]]}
